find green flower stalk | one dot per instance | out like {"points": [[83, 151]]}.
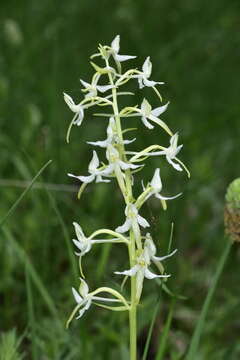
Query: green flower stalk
{"points": [[123, 166]]}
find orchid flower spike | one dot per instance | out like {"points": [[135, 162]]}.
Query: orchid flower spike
{"points": [[115, 47], [76, 108], [141, 271], [93, 171], [147, 114], [112, 137], [92, 89], [146, 73]]}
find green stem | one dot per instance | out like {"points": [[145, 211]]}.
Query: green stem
{"points": [[133, 308], [132, 247]]}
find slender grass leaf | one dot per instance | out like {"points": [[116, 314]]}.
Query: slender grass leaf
{"points": [[195, 340]]}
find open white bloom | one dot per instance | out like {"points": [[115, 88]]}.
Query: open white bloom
{"points": [[93, 170], [146, 73], [76, 108], [172, 151], [147, 113], [84, 298], [112, 137], [151, 250], [132, 220], [84, 244], [141, 269], [156, 185], [115, 47], [93, 88], [115, 163]]}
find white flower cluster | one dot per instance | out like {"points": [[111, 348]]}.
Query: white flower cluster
{"points": [[122, 165]]}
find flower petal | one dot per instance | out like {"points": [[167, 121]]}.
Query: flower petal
{"points": [[159, 110], [143, 222], [103, 88], [115, 44], [84, 179], [76, 295], [149, 83], [126, 142], [121, 58], [100, 179], [130, 272], [85, 84], [147, 67], [147, 123], [83, 288], [159, 196], [78, 231], [126, 166], [160, 123], [125, 227], [161, 258], [176, 166], [156, 182], [150, 275], [102, 144], [94, 163]]}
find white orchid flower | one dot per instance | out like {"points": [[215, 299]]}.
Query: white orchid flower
{"points": [[147, 113], [133, 220], [151, 250], [112, 137], [115, 47], [141, 270], [156, 185], [84, 244], [84, 299], [115, 162], [76, 108], [93, 170], [172, 151], [93, 88], [146, 73]]}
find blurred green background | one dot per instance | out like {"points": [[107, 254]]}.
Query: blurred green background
{"points": [[195, 49]]}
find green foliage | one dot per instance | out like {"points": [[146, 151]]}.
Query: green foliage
{"points": [[9, 346]]}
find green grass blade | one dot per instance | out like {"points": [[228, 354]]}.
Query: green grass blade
{"points": [[146, 347], [194, 344], [32, 272], [14, 206], [31, 315], [103, 260], [65, 234], [164, 337]]}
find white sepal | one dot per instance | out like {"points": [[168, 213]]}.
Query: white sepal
{"points": [[115, 47]]}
